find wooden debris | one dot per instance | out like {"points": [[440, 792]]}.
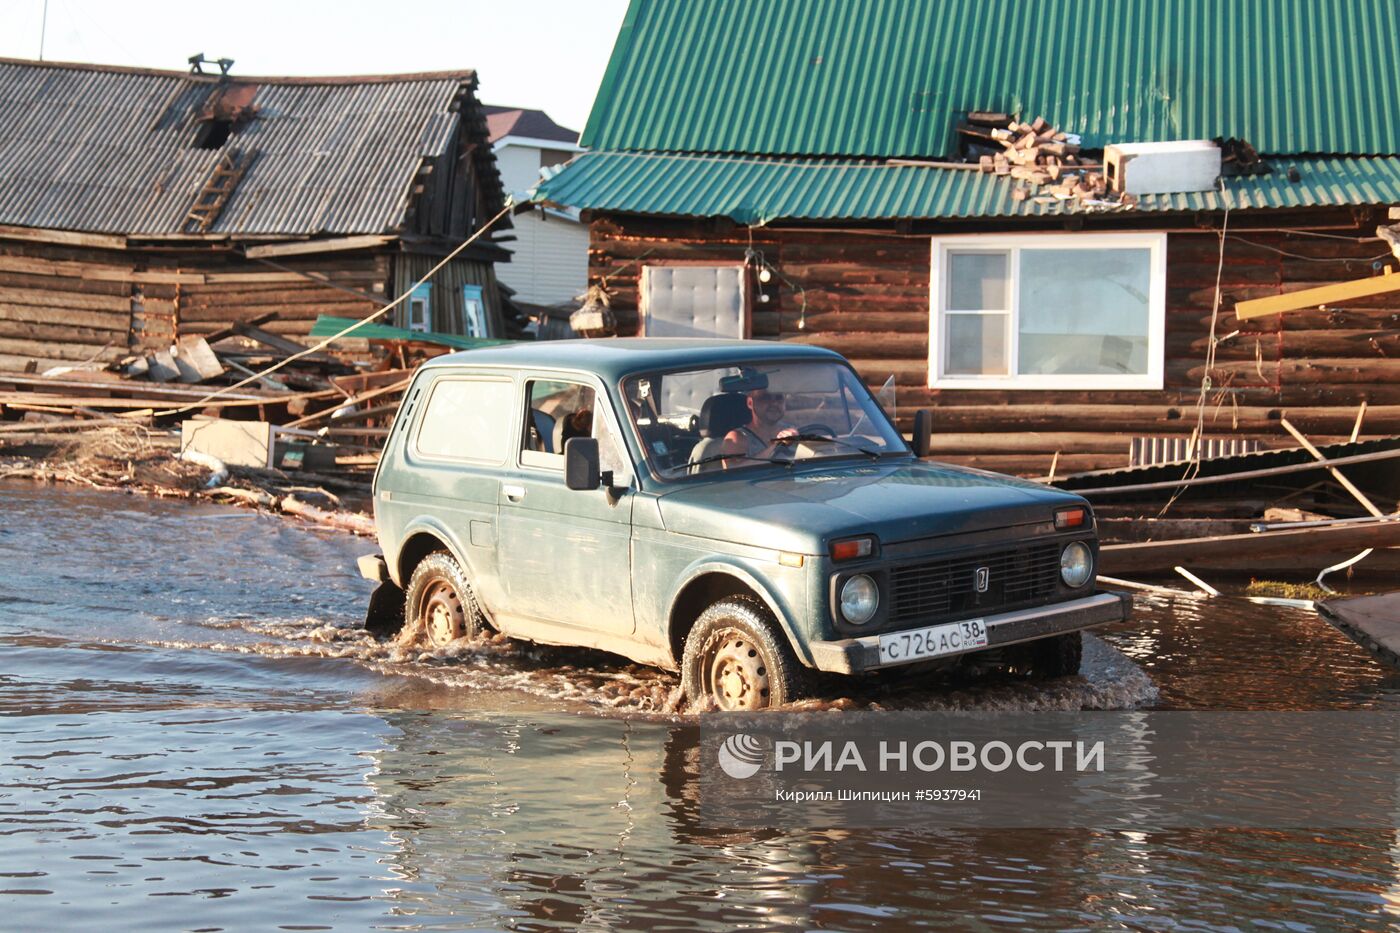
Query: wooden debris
{"points": [[1040, 156]]}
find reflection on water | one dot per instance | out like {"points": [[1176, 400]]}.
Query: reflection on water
{"points": [[199, 737]]}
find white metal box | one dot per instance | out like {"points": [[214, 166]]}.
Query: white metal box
{"points": [[1162, 168]]}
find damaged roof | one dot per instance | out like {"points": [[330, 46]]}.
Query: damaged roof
{"points": [[754, 191], [117, 150], [890, 78]]}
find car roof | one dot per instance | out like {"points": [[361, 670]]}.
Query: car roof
{"points": [[613, 358]]}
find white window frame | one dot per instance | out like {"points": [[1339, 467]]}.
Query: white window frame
{"points": [[474, 311], [1155, 243], [423, 295]]}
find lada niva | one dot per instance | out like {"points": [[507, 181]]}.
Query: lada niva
{"points": [[742, 511]]}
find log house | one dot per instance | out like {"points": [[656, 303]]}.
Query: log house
{"points": [[138, 206], [808, 162]]}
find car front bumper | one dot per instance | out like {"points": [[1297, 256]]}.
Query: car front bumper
{"points": [[855, 655]]}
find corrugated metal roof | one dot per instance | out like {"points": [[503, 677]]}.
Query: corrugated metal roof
{"points": [[757, 191], [110, 149], [888, 78]]}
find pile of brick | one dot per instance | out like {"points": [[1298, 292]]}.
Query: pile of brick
{"points": [[1043, 160]]}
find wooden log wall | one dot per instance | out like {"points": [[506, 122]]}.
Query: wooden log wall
{"points": [[216, 291], [867, 297], [63, 304]]}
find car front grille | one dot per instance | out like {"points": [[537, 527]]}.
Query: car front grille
{"points": [[950, 587]]}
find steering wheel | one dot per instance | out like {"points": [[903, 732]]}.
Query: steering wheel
{"points": [[816, 427]]}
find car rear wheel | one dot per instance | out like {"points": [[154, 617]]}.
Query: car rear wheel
{"points": [[737, 658], [438, 606], [1049, 658]]}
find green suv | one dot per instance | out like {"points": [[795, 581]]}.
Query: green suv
{"points": [[742, 511]]}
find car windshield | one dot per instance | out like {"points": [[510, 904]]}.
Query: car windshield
{"points": [[732, 417]]}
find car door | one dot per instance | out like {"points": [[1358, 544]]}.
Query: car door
{"points": [[566, 555]]}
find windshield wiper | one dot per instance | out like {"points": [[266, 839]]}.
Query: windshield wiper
{"points": [[810, 438]]}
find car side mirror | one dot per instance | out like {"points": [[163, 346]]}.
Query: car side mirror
{"points": [[581, 463], [923, 432]]}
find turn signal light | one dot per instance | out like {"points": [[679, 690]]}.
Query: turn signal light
{"points": [[851, 548], [1071, 518]]}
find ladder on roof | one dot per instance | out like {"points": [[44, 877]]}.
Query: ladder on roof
{"points": [[217, 189]]}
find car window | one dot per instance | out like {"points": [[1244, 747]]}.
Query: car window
{"points": [[467, 418], [734, 417], [561, 410]]}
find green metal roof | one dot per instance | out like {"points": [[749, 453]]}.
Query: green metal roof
{"points": [[757, 191], [882, 78], [328, 326]]}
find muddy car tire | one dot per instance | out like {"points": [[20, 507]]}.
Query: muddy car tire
{"points": [[737, 658], [1049, 658], [439, 607]]}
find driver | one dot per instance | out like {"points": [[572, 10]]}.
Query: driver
{"points": [[765, 426]]}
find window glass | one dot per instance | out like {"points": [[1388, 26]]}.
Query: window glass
{"points": [[563, 410], [1084, 310], [711, 421], [978, 282], [467, 419], [976, 345], [1048, 311]]}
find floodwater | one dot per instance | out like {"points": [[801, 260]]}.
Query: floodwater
{"points": [[196, 735]]}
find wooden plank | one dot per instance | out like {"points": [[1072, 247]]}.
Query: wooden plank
{"points": [[1373, 622], [106, 383], [1312, 297], [98, 320], [59, 333], [1052, 414], [223, 401], [362, 381], [77, 424], [43, 299], [325, 414], [77, 353], [315, 246], [66, 237], [1336, 473], [1308, 545]]}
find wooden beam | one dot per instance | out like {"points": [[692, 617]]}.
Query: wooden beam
{"points": [[1322, 295], [1336, 473], [66, 237], [302, 247]]}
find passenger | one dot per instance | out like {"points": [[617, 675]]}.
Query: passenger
{"points": [[757, 438], [578, 423]]}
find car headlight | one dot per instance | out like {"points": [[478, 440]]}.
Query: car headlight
{"points": [[860, 597], [1076, 564]]}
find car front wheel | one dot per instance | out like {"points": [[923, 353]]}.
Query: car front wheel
{"points": [[737, 658], [438, 604]]}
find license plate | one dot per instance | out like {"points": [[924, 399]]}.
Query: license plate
{"points": [[933, 641]]}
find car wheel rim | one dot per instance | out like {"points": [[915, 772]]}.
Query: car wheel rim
{"points": [[738, 674], [442, 614]]}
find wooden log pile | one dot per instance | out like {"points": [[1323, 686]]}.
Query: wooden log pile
{"points": [[1041, 159]]}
